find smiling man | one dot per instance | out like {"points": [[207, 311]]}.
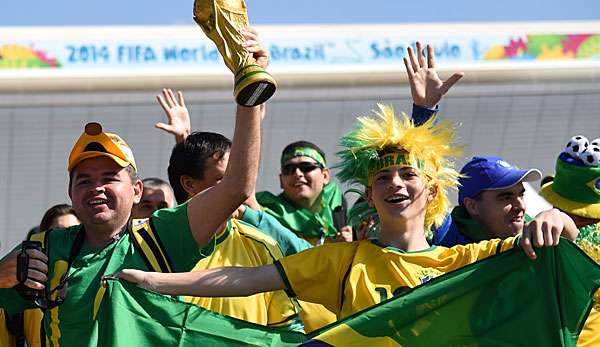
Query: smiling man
{"points": [[491, 202], [103, 188], [308, 199]]}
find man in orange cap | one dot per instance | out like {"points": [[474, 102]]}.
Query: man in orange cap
{"points": [[103, 186]]}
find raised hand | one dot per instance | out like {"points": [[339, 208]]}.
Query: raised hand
{"points": [[252, 45], [426, 87], [177, 114]]}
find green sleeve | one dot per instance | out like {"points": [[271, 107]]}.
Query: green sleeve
{"points": [[172, 227], [288, 242]]}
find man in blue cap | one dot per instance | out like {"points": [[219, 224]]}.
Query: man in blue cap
{"points": [[491, 202]]}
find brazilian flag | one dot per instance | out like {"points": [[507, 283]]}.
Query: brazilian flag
{"points": [[505, 300]]}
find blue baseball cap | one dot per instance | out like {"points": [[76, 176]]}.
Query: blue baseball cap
{"points": [[489, 173]]}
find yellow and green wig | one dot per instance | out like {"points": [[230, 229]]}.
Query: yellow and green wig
{"points": [[383, 140]]}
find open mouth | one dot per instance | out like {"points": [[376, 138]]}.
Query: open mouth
{"points": [[97, 202], [396, 198]]}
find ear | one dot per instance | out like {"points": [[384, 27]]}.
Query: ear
{"points": [[471, 206], [433, 191], [326, 175], [138, 189], [370, 197], [188, 184], [281, 181]]}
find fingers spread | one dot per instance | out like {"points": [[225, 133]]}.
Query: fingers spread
{"points": [[430, 57], [409, 70], [163, 104], [412, 59], [451, 81], [420, 56], [181, 100]]}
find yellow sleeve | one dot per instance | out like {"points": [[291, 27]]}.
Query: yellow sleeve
{"points": [[470, 253], [317, 274]]}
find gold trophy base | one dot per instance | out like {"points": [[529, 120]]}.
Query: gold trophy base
{"points": [[253, 86]]}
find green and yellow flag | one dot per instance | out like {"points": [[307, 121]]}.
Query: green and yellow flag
{"points": [[505, 300], [131, 316]]}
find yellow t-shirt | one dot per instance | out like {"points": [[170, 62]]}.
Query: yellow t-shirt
{"points": [[243, 245], [349, 277]]}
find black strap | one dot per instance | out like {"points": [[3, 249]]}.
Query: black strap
{"points": [[77, 245], [16, 326]]}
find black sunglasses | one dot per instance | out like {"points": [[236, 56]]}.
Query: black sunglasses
{"points": [[305, 167]]}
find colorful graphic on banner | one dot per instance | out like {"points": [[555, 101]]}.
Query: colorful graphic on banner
{"points": [[548, 47], [190, 51], [13, 56]]}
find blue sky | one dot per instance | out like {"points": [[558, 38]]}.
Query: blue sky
{"points": [[165, 12]]}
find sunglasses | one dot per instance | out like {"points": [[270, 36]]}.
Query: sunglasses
{"points": [[305, 167]]}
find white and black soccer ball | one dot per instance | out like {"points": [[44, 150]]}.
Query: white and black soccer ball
{"points": [[595, 142], [576, 146], [591, 156]]}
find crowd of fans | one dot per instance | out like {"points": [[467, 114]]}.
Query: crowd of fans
{"points": [[282, 259]]}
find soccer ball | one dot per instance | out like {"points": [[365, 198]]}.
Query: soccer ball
{"points": [[591, 156], [576, 146], [595, 142]]}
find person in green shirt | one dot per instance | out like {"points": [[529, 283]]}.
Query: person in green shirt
{"points": [[309, 198], [103, 188]]}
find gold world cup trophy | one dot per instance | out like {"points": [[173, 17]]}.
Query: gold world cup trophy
{"points": [[222, 21]]}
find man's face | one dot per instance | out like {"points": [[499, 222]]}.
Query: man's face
{"points": [[500, 212], [214, 170], [153, 199], [399, 193], [103, 193], [302, 180]]}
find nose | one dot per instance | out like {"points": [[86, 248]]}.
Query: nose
{"points": [[519, 203], [396, 180], [298, 172], [97, 188]]}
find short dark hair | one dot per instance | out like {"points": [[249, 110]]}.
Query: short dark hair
{"points": [[155, 183], [189, 158], [303, 143], [53, 213]]}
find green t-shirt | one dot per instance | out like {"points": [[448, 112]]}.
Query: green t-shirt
{"points": [[288, 242], [73, 322]]}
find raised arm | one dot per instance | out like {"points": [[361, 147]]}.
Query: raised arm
{"points": [[426, 87], [221, 282], [209, 209]]}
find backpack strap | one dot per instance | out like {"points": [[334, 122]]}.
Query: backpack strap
{"points": [[150, 246]]}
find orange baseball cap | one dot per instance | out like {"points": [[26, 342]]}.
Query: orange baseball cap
{"points": [[93, 142]]}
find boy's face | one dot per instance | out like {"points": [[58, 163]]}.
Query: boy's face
{"points": [[399, 193]]}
